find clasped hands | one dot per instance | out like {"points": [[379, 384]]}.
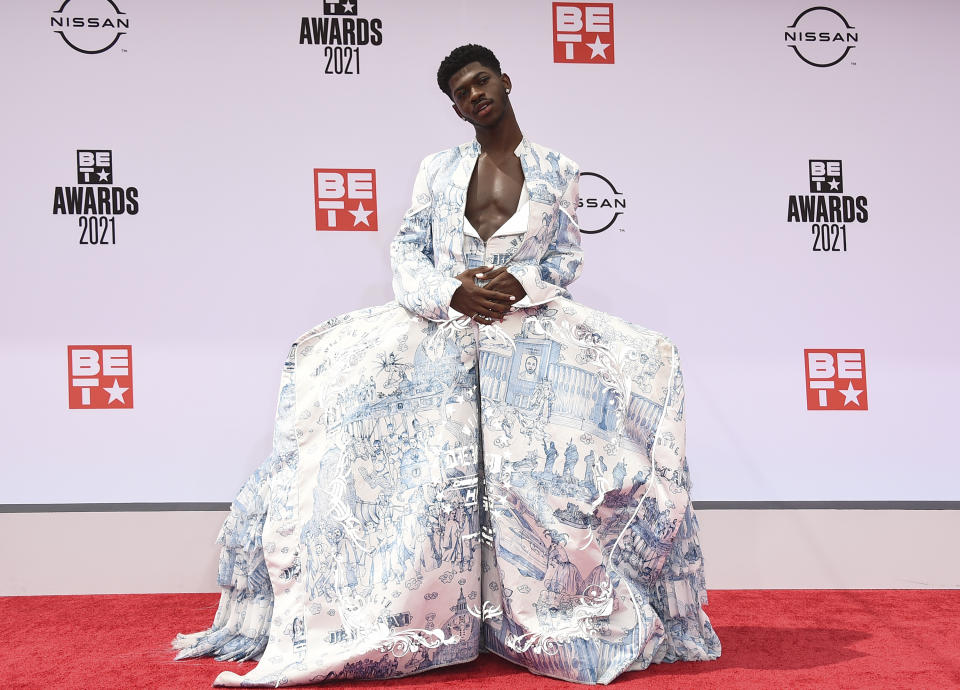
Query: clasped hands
{"points": [[491, 302]]}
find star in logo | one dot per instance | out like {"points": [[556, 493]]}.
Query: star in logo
{"points": [[103, 175], [116, 392], [360, 215], [598, 48], [850, 394], [834, 184], [349, 7]]}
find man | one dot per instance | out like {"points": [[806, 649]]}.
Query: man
{"points": [[480, 97], [529, 371], [577, 585]]}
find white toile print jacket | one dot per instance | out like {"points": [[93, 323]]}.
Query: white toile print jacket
{"points": [[438, 487], [429, 249]]}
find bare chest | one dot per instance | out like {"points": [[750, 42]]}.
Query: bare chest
{"points": [[493, 193]]}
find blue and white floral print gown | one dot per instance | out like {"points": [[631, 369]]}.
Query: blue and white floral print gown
{"points": [[438, 487]]}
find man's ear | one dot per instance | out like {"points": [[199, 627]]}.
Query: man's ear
{"points": [[507, 84], [457, 111]]}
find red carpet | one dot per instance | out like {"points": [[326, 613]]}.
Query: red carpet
{"points": [[771, 639]]}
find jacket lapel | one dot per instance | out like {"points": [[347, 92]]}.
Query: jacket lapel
{"points": [[457, 199], [541, 174]]}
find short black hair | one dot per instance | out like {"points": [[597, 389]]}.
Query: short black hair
{"points": [[462, 56]]}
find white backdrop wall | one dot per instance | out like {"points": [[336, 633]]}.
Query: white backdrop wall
{"points": [[705, 123]]}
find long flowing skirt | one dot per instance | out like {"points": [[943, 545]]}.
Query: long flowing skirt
{"points": [[440, 489]]}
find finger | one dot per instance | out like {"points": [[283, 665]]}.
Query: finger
{"points": [[479, 270], [492, 273], [486, 315], [496, 295], [498, 304], [500, 308], [507, 287], [497, 283]]}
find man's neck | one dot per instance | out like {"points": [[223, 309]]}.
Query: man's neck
{"points": [[501, 139]]}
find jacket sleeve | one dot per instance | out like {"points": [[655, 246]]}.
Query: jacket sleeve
{"points": [[417, 284], [563, 261]]}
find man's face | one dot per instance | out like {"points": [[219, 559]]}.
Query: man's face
{"points": [[479, 95], [531, 364]]}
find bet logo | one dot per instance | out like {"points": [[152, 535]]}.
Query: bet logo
{"points": [[340, 7], [583, 32], [94, 167], [100, 376], [836, 379], [345, 199], [826, 207], [341, 32], [96, 200], [826, 176]]}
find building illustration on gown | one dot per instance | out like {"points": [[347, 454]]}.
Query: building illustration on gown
{"points": [[388, 437], [528, 386], [438, 487], [532, 379], [407, 507], [524, 386]]}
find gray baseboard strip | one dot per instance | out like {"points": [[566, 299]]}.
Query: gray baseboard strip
{"points": [[826, 505], [109, 507], [697, 505]]}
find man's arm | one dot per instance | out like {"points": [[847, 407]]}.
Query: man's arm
{"points": [[422, 288], [563, 261], [417, 284]]}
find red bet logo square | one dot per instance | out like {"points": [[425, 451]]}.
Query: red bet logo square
{"points": [[345, 199], [100, 376], [836, 379], [583, 32]]}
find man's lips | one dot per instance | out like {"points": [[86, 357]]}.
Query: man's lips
{"points": [[484, 106]]}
